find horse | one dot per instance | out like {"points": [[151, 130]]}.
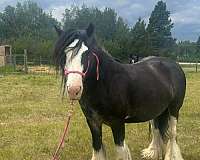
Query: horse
{"points": [[113, 93]]}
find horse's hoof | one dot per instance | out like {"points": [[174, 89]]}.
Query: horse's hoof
{"points": [[151, 153]]}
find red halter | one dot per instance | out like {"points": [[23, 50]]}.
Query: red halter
{"points": [[83, 74]]}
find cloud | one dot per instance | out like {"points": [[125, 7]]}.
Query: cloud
{"points": [[185, 15], [188, 16], [57, 12], [4, 3]]}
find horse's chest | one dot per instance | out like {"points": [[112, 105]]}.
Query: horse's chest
{"points": [[101, 112]]}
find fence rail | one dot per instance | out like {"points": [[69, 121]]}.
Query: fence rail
{"points": [[20, 63]]}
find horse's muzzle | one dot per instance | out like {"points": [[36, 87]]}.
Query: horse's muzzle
{"points": [[74, 92]]}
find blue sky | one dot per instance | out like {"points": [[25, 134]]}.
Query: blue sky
{"points": [[185, 14]]}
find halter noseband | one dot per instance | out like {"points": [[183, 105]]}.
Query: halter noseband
{"points": [[83, 74]]}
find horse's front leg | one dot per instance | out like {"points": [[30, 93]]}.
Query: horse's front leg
{"points": [[98, 148], [123, 152]]}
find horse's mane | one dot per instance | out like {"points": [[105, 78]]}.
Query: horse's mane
{"points": [[64, 40]]}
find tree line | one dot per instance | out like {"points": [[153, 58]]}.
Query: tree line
{"points": [[28, 26]]}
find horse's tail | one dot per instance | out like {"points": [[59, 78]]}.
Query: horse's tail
{"points": [[149, 134]]}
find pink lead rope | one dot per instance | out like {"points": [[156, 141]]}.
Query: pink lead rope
{"points": [[61, 144], [83, 74], [97, 67]]}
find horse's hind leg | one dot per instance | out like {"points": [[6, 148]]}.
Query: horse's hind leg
{"points": [[122, 149], [159, 130], [172, 149], [154, 151]]}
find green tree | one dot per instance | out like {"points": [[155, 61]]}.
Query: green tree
{"points": [[159, 37], [138, 38], [198, 47], [8, 23], [27, 26], [118, 45], [112, 32], [105, 21], [186, 51]]}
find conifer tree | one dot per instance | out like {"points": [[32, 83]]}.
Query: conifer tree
{"points": [[159, 36]]}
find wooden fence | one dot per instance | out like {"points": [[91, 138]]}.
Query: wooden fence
{"points": [[21, 63]]}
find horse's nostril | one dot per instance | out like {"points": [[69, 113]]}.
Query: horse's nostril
{"points": [[78, 90]]}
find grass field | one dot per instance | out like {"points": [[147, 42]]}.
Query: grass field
{"points": [[32, 117]]}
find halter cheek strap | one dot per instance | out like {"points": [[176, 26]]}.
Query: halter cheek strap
{"points": [[83, 74], [97, 67]]}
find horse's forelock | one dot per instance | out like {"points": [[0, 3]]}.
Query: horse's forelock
{"points": [[63, 41]]}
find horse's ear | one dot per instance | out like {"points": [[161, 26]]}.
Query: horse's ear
{"points": [[58, 30], [90, 30]]}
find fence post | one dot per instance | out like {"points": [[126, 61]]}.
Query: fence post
{"points": [[196, 66], [40, 60], [25, 61], [14, 62]]}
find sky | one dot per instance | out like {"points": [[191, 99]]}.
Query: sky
{"points": [[185, 14]]}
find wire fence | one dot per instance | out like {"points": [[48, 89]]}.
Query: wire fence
{"points": [[21, 64]]}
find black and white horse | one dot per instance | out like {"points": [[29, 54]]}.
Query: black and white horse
{"points": [[113, 93]]}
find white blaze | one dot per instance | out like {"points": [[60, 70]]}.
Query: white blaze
{"points": [[73, 44], [74, 64]]}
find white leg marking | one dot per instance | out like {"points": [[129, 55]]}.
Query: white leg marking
{"points": [[123, 152], [154, 151], [100, 155], [172, 150]]}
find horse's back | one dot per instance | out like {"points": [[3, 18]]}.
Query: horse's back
{"points": [[167, 70]]}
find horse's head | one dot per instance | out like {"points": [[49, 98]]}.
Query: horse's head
{"points": [[72, 56]]}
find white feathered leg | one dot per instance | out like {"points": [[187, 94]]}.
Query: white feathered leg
{"points": [[154, 151], [99, 155], [172, 150], [123, 152]]}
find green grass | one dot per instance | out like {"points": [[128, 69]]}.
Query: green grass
{"points": [[6, 69], [32, 117]]}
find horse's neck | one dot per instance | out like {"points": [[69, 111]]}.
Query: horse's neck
{"points": [[108, 66]]}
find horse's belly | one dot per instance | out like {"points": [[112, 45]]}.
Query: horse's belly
{"points": [[143, 114]]}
